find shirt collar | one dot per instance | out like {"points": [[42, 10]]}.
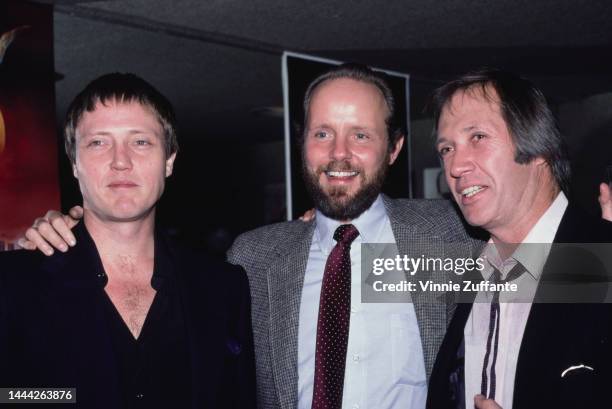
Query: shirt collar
{"points": [[162, 265], [543, 232], [546, 227], [370, 225]]}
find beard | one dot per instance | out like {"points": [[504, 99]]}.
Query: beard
{"points": [[337, 203]]}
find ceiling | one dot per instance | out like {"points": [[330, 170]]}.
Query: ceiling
{"points": [[219, 60]]}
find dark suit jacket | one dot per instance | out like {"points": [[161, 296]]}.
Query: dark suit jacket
{"points": [[556, 337], [53, 332]]}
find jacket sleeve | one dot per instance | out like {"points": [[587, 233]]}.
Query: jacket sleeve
{"points": [[241, 389]]}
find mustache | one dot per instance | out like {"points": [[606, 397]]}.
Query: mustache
{"points": [[338, 166]]}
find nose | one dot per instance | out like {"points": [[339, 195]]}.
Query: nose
{"points": [[340, 148], [121, 158], [460, 163]]}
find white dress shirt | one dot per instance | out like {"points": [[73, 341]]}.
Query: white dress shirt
{"points": [[384, 364], [514, 308]]}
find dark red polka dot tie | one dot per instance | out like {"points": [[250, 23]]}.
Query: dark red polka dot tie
{"points": [[333, 323]]}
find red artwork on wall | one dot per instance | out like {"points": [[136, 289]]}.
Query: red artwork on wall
{"points": [[28, 137]]}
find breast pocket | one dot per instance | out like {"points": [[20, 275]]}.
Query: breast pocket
{"points": [[407, 352]]}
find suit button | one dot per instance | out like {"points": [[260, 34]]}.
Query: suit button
{"points": [[139, 396]]}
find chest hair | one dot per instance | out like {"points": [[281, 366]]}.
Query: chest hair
{"points": [[129, 289]]}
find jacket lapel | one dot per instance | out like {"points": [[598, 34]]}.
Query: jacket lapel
{"points": [[545, 319], [414, 238], [285, 282], [197, 312]]}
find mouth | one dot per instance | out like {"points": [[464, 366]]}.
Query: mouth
{"points": [[472, 191], [341, 177], [119, 185], [333, 174]]}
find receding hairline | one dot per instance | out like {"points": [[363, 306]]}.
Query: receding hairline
{"points": [[328, 82]]}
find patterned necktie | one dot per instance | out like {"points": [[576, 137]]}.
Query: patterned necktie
{"points": [[333, 323], [489, 384]]}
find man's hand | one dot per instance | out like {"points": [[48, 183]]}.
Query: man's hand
{"points": [[605, 201], [481, 402], [308, 215], [52, 230]]}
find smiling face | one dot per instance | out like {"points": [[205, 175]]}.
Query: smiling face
{"points": [[493, 190], [120, 161], [346, 152]]}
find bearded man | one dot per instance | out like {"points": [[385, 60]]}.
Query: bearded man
{"points": [[317, 344]]}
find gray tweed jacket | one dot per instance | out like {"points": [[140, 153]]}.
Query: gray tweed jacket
{"points": [[275, 258]]}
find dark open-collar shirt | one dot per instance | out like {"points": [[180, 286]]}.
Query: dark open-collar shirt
{"points": [[154, 370]]}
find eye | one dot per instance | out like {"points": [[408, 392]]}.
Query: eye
{"points": [[361, 136], [94, 143], [142, 142], [478, 136], [442, 151], [321, 134]]}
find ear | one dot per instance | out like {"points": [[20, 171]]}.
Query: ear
{"points": [[396, 149], [540, 161], [170, 164], [74, 171]]}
